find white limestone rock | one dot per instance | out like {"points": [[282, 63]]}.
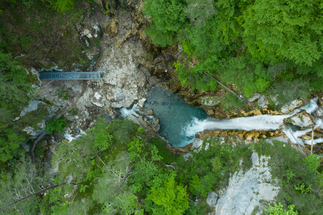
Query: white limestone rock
{"points": [[291, 106], [141, 102], [254, 97], [87, 33], [33, 131], [303, 120], [32, 106], [197, 143], [246, 190]]}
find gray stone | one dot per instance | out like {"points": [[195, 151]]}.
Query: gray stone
{"points": [[186, 156], [119, 97], [97, 30], [90, 54], [87, 33], [150, 133], [123, 79], [58, 137], [145, 111], [212, 198], [254, 97], [31, 131], [155, 124], [32, 106], [263, 102], [209, 100], [141, 102]]}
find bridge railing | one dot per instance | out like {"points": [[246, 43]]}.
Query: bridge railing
{"points": [[70, 75]]}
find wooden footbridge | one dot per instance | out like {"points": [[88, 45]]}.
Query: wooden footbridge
{"points": [[70, 76]]}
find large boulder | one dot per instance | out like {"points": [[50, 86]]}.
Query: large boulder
{"points": [[302, 120]]}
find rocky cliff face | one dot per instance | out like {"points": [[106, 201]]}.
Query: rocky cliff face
{"points": [[246, 191]]}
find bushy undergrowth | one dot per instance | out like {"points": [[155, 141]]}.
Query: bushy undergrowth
{"points": [[300, 184], [160, 144], [55, 125]]}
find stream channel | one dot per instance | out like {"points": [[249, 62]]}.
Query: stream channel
{"points": [[179, 121]]}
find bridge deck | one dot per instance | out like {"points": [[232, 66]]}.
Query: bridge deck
{"points": [[70, 76]]}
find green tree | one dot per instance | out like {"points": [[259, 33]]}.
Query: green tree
{"points": [[9, 143], [15, 92], [222, 12], [284, 30], [200, 10], [167, 198], [101, 165], [20, 189], [167, 17], [74, 158], [111, 189]]}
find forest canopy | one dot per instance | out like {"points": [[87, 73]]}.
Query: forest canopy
{"points": [[261, 46]]}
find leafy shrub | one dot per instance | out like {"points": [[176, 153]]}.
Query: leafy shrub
{"points": [[299, 188], [198, 171], [63, 5], [278, 210], [187, 47], [102, 138], [290, 90], [230, 101], [216, 164], [55, 125], [123, 131], [312, 162], [9, 144]]}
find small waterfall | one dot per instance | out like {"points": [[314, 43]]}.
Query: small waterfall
{"points": [[125, 111], [70, 138], [260, 122]]}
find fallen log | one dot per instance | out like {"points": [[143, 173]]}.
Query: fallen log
{"points": [[238, 96]]}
